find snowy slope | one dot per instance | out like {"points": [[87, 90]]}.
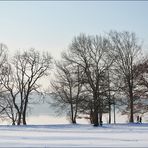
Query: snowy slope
{"points": [[80, 135]]}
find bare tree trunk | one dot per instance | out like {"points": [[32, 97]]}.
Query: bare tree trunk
{"points": [[100, 111], [100, 118], [75, 115], [96, 123], [74, 120], [95, 116], [131, 107], [109, 120], [91, 116], [114, 112], [24, 111], [19, 119], [109, 99], [24, 118], [13, 123]]}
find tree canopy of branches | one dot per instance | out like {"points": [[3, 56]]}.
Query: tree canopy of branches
{"points": [[126, 52], [90, 53], [67, 88], [21, 79]]}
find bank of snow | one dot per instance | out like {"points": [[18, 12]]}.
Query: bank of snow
{"points": [[67, 135]]}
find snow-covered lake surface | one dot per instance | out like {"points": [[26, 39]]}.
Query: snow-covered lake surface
{"points": [[79, 135]]}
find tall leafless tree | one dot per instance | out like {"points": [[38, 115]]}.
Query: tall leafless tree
{"points": [[90, 53], [126, 52]]}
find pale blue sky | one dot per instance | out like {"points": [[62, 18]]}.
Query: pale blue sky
{"points": [[49, 25]]}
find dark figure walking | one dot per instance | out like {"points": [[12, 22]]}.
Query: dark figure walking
{"points": [[140, 119], [101, 123], [137, 119]]}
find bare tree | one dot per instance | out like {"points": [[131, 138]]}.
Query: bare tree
{"points": [[67, 88], [22, 78], [8, 111], [3, 60], [141, 72], [126, 52], [90, 53]]}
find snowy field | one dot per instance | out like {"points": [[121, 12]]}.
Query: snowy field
{"points": [[79, 135]]}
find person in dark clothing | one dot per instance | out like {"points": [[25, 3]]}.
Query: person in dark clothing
{"points": [[140, 119], [101, 123], [137, 119]]}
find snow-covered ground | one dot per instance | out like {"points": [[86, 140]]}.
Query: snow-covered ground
{"points": [[66, 135], [79, 135]]}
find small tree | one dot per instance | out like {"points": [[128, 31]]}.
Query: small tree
{"points": [[67, 89]]}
